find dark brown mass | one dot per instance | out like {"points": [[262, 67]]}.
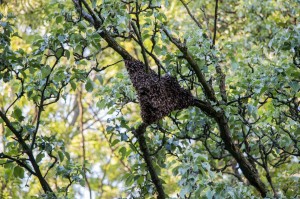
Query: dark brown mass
{"points": [[158, 97]]}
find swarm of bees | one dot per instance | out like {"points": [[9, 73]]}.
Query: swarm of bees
{"points": [[157, 96]]}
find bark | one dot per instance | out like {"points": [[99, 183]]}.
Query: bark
{"points": [[80, 107], [28, 151], [139, 133], [248, 170]]}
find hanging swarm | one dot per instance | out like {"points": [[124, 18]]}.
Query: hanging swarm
{"points": [[158, 97]]}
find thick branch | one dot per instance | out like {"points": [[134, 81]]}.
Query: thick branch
{"points": [[96, 22], [139, 132], [187, 55], [222, 82], [205, 107], [247, 168], [27, 150]]}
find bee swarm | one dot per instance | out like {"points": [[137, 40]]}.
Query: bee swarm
{"points": [[158, 97]]}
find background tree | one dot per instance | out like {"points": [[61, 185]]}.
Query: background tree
{"points": [[65, 88]]}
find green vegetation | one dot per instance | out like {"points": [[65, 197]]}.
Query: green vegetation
{"points": [[72, 116]]}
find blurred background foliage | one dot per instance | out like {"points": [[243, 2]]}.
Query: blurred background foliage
{"points": [[86, 130]]}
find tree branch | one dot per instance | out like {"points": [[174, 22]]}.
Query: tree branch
{"points": [[41, 105], [80, 105], [28, 151], [137, 30], [139, 133], [215, 23], [222, 83], [187, 55], [19, 162], [248, 170], [97, 23], [191, 15], [140, 41]]}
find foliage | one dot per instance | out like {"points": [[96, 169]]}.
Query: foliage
{"points": [[70, 119]]}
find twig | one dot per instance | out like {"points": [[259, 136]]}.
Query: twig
{"points": [[105, 67], [19, 162], [191, 15], [52, 165], [137, 31], [206, 21], [215, 23], [18, 95], [80, 105], [41, 105], [153, 56], [162, 143]]}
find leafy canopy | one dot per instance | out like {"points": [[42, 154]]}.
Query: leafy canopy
{"points": [[70, 120]]}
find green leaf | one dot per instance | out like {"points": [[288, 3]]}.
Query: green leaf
{"points": [[82, 182], [17, 114], [122, 151], [101, 104], [59, 52], [39, 157], [129, 180], [109, 129], [67, 54], [46, 71], [124, 137], [140, 180], [82, 25], [73, 85], [116, 141], [100, 78], [59, 19], [67, 155], [89, 86], [111, 111], [61, 38], [3, 24], [185, 191], [286, 45], [19, 172], [61, 156], [295, 86], [210, 194]]}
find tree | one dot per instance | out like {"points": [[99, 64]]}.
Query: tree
{"points": [[206, 106]]}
